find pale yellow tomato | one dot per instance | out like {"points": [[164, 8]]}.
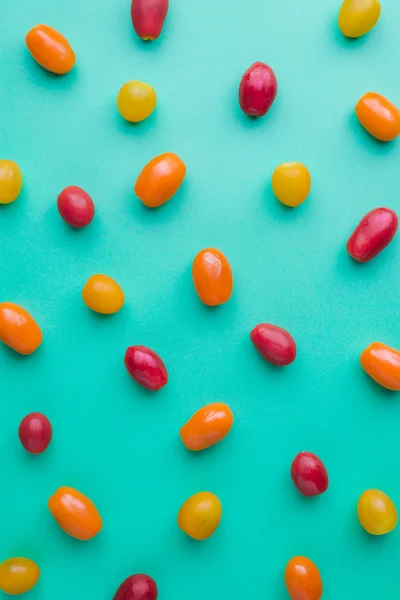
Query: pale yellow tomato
{"points": [[200, 515], [18, 575], [357, 17], [291, 183], [136, 101], [103, 294], [376, 512], [10, 181]]}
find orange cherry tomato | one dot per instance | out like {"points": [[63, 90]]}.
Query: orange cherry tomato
{"points": [[18, 575], [18, 329], [208, 426], [50, 49], [75, 513], [200, 515], [378, 116], [212, 277], [160, 179], [102, 294], [382, 363], [302, 579]]}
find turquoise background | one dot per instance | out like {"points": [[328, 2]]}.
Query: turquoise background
{"points": [[113, 440]]}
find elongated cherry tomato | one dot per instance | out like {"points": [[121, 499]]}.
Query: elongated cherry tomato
{"points": [[291, 183], [160, 179], [137, 587], [18, 575], [136, 101], [103, 294], [18, 329], [10, 181], [212, 277], [146, 367], [275, 344], [50, 49], [35, 433], [378, 116], [358, 17], [374, 232], [208, 426], [75, 513], [75, 206], [257, 90], [200, 515], [376, 512], [302, 579], [148, 17], [382, 363], [309, 474]]}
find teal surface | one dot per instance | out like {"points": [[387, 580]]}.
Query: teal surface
{"points": [[119, 444]]}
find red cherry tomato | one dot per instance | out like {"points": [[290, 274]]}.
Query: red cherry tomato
{"points": [[274, 343], [75, 206], [35, 433], [309, 474], [374, 232], [137, 587], [257, 90], [148, 17], [146, 367]]}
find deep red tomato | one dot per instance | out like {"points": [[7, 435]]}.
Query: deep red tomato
{"points": [[146, 367], [374, 232], [274, 343], [35, 433], [257, 90], [75, 206], [309, 474], [137, 587]]}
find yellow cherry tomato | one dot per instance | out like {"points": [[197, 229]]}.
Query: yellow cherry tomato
{"points": [[376, 512], [103, 294], [200, 515], [10, 181], [291, 183], [357, 17], [136, 101], [18, 575]]}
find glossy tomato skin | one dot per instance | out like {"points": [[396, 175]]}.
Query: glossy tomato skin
{"points": [[374, 232], [200, 515], [75, 206], [18, 575], [275, 344], [208, 426], [358, 17], [379, 116], [35, 433], [18, 329], [148, 17], [376, 512], [382, 363], [309, 474], [291, 183], [137, 587], [136, 101], [160, 179], [146, 367], [103, 294], [10, 181], [302, 579], [257, 90], [75, 513], [212, 277], [50, 49]]}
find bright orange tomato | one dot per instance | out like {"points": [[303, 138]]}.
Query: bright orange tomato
{"points": [[302, 579], [160, 179], [50, 49], [200, 515], [18, 575], [208, 426], [212, 277], [103, 294], [382, 363], [18, 329], [378, 116], [75, 513]]}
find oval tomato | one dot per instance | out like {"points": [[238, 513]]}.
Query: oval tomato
{"points": [[302, 579], [374, 232], [18, 329], [378, 116], [200, 515], [18, 575], [212, 277], [75, 513], [275, 344], [160, 179], [208, 426], [382, 363], [50, 49], [146, 367]]}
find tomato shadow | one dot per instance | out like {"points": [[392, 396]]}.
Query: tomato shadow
{"points": [[45, 79], [342, 40], [135, 130]]}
